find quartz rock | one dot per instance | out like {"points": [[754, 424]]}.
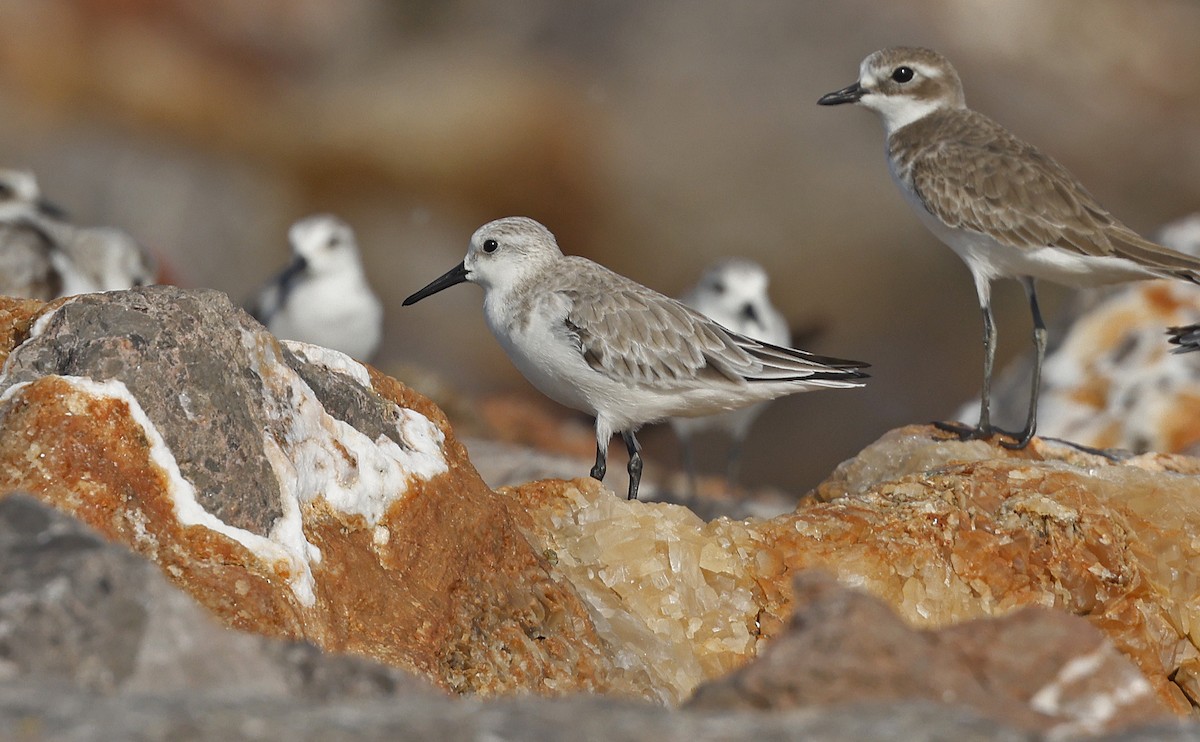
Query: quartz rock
{"points": [[296, 493], [941, 530]]}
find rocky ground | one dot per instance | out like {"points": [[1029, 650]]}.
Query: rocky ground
{"points": [[208, 534]]}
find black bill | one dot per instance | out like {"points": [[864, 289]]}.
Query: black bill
{"points": [[849, 94], [455, 275]]}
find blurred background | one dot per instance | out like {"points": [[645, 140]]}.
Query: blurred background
{"points": [[651, 136]]}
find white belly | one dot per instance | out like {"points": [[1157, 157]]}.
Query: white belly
{"points": [[989, 259]]}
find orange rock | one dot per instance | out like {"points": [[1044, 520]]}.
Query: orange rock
{"points": [[440, 581], [297, 493]]}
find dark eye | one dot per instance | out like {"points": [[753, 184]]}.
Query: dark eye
{"points": [[5, 190], [490, 245], [331, 242], [902, 74], [718, 287]]}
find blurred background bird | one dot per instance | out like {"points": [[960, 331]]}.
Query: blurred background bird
{"points": [[652, 135], [322, 296], [733, 292], [45, 256]]}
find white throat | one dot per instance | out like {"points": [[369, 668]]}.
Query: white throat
{"points": [[898, 111]]}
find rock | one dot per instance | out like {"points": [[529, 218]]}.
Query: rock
{"points": [[77, 610], [942, 531], [289, 489], [297, 494], [842, 646]]}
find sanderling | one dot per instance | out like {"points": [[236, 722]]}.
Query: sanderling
{"points": [[603, 344], [733, 293], [20, 196], [58, 256], [1008, 210], [322, 297]]}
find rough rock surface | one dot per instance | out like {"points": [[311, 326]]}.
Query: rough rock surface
{"points": [[288, 488], [337, 507], [942, 531], [842, 645], [78, 611]]}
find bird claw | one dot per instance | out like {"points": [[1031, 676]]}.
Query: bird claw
{"points": [[966, 432]]}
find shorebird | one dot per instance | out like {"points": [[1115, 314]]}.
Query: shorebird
{"points": [[733, 293], [1005, 208], [606, 345], [47, 256], [323, 297]]}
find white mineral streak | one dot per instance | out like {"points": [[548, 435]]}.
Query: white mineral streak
{"points": [[1088, 712], [188, 510], [325, 457], [322, 457], [331, 359], [39, 325], [319, 457]]}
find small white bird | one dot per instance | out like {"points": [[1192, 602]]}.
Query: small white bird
{"points": [[733, 293], [323, 297], [1005, 208], [603, 344], [48, 257], [20, 196]]}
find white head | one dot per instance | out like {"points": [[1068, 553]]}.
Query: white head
{"points": [[499, 255], [733, 292], [325, 244], [903, 84], [19, 186]]}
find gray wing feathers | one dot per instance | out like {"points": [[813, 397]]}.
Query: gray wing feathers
{"points": [[631, 333], [1018, 195]]}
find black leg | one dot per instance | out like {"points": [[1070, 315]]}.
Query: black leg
{"points": [[635, 463], [1039, 344], [601, 466], [734, 463], [984, 429], [689, 463]]}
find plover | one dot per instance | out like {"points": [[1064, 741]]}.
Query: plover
{"points": [[56, 257], [1008, 210], [323, 297], [733, 293], [603, 344]]}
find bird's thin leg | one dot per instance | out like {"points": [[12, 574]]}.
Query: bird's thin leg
{"points": [[635, 463], [984, 428], [1039, 344], [601, 466], [734, 463], [689, 464]]}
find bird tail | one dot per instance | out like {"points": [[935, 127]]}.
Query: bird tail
{"points": [[1163, 260], [779, 363]]}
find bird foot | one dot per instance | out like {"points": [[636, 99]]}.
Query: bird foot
{"points": [[966, 432]]}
